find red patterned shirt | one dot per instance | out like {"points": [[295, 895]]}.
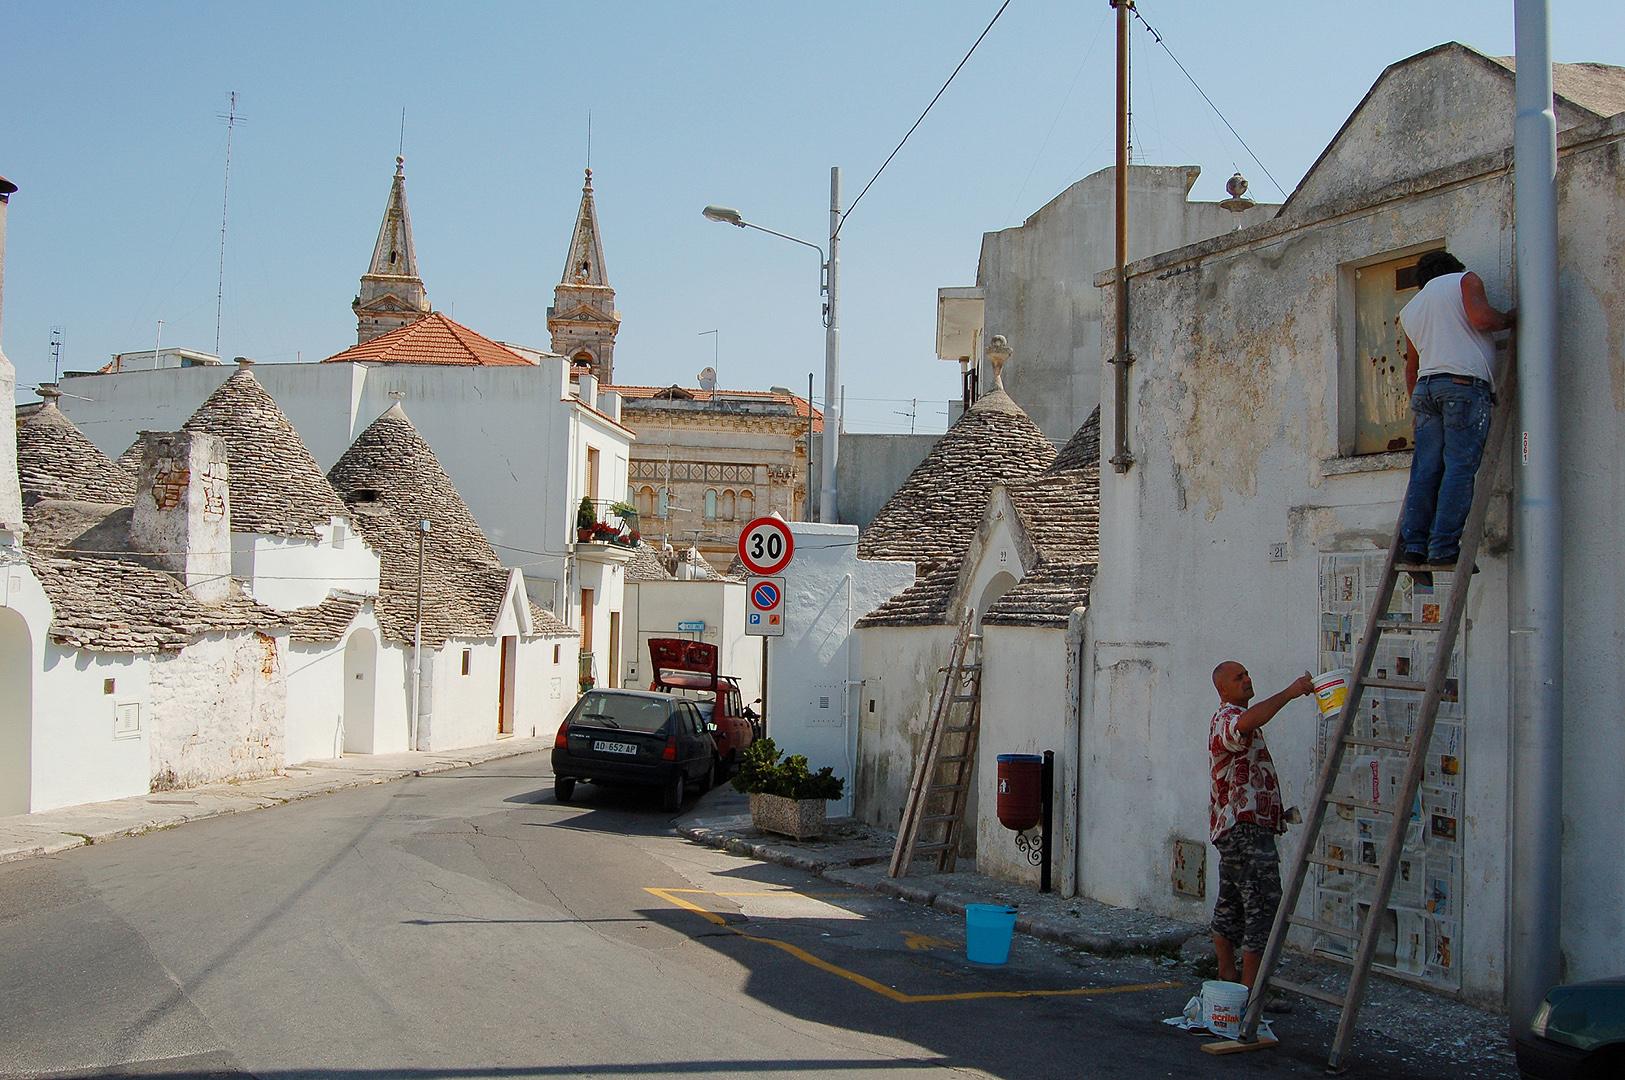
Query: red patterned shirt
{"points": [[1244, 784]]}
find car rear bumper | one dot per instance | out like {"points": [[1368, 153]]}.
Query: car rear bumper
{"points": [[1542, 1059], [599, 770]]}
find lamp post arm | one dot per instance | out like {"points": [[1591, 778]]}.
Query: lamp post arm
{"points": [[786, 236]]}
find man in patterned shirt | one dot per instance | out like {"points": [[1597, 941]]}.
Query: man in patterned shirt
{"points": [[1244, 817]]}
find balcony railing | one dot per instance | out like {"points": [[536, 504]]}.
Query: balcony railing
{"points": [[614, 522]]}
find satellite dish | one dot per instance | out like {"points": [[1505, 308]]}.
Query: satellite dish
{"points": [[708, 378]]}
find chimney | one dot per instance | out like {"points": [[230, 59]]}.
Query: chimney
{"points": [[11, 494], [183, 509], [587, 390]]}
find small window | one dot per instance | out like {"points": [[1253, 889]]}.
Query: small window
{"points": [[728, 506], [645, 502], [1381, 416], [468, 660], [664, 502], [557, 651], [108, 685], [710, 504], [747, 506]]}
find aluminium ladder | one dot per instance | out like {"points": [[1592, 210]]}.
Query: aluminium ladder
{"points": [[1378, 622], [937, 798]]}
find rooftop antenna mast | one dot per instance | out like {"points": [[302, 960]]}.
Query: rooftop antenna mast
{"points": [[56, 353], [232, 120], [400, 151], [589, 140]]}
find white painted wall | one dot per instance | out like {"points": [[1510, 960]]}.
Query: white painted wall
{"points": [[218, 710], [321, 694], [654, 609], [827, 588], [901, 677], [287, 572]]}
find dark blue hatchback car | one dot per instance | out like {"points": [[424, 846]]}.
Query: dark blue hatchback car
{"points": [[634, 737], [1578, 1032]]}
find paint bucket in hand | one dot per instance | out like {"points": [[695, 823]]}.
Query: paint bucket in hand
{"points": [[1223, 1004], [1331, 691], [988, 930]]}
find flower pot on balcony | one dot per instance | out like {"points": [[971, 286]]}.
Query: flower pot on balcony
{"points": [[583, 535], [802, 819]]}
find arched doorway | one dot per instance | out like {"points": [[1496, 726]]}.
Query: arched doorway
{"points": [[360, 691], [16, 715], [1001, 583]]}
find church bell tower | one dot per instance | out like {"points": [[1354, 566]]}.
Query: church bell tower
{"points": [[392, 294], [583, 319]]}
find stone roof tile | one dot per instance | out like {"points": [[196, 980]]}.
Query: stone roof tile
{"points": [[276, 485], [56, 461], [327, 621], [645, 565]]}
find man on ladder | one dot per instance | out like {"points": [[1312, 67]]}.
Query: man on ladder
{"points": [[1449, 358]]}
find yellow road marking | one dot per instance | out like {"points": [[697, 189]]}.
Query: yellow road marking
{"points": [[669, 895], [924, 941]]}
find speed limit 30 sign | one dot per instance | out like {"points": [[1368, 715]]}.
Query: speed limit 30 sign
{"points": [[765, 546]]}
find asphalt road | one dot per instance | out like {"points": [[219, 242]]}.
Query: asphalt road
{"points": [[467, 925]]}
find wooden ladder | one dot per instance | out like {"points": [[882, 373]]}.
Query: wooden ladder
{"points": [[1432, 688], [938, 795]]}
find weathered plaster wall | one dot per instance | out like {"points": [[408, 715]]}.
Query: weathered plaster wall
{"points": [[870, 470], [901, 679], [819, 658], [218, 711], [1027, 707], [1236, 406], [1038, 281]]}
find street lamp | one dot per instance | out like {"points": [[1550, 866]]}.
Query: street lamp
{"points": [[831, 267]]}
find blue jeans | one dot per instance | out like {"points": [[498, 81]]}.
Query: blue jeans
{"points": [[1452, 423]]}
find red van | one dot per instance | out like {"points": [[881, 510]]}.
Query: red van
{"points": [[689, 668]]}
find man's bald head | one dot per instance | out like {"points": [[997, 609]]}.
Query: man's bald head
{"points": [[1234, 685]]}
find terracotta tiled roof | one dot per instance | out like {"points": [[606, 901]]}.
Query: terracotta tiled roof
{"points": [[633, 394], [56, 461], [391, 480], [276, 485], [433, 339], [930, 520]]}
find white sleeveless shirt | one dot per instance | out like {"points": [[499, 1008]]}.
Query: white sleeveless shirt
{"points": [[1446, 343]]}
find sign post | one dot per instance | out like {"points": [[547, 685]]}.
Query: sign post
{"points": [[764, 607]]}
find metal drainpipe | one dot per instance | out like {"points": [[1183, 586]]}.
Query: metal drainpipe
{"points": [[1535, 943]]}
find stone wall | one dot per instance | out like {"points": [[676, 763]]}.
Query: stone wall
{"points": [[218, 710]]}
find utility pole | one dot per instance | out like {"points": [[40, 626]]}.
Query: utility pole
{"points": [[832, 351], [1536, 876], [1122, 358]]}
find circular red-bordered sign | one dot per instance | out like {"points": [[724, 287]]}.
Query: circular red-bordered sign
{"points": [[765, 546]]}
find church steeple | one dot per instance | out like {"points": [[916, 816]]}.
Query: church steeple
{"points": [[583, 319], [392, 294]]}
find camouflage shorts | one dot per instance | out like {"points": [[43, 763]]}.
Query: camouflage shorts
{"points": [[1249, 886]]}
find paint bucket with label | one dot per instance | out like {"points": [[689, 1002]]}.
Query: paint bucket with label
{"points": [[1332, 690], [1223, 1004], [988, 931]]}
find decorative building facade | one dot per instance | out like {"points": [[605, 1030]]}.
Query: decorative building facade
{"points": [[583, 319], [392, 294]]}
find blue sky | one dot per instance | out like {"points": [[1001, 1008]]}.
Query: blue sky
{"points": [[109, 128]]}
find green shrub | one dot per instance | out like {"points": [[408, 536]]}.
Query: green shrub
{"points": [[762, 773], [585, 518]]}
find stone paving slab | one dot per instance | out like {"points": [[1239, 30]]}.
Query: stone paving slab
{"points": [[857, 855], [28, 835]]}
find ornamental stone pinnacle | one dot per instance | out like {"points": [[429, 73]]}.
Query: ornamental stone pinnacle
{"points": [[583, 319], [998, 354], [392, 294]]}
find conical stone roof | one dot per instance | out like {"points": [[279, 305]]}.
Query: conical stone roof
{"points": [[930, 519], [56, 461], [276, 485], [391, 480]]}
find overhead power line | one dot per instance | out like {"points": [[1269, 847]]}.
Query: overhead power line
{"points": [[1215, 108], [917, 123]]}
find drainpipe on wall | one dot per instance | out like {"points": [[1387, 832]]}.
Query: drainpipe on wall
{"points": [[1122, 358], [417, 640], [1535, 943]]}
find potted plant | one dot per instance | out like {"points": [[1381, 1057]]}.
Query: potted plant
{"points": [[584, 519], [786, 797]]}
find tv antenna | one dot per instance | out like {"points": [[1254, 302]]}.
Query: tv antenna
{"points": [[913, 411], [56, 353], [232, 120], [401, 151]]}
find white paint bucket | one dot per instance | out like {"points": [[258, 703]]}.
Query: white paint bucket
{"points": [[1332, 690], [1223, 1004]]}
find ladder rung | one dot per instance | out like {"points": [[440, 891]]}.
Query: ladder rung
{"points": [[957, 728], [937, 789], [964, 697], [938, 817], [1308, 991], [918, 848], [1407, 624], [1358, 868], [952, 759], [1344, 800], [1397, 684], [1325, 928], [1381, 744], [970, 667]]}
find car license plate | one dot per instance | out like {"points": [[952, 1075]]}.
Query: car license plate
{"points": [[603, 747]]}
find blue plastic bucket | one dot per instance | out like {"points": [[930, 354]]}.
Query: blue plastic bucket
{"points": [[988, 930]]}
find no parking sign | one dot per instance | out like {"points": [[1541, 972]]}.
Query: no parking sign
{"points": [[764, 607]]}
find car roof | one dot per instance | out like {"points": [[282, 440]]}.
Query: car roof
{"points": [[616, 692]]}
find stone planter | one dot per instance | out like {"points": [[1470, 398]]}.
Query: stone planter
{"points": [[802, 819]]}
